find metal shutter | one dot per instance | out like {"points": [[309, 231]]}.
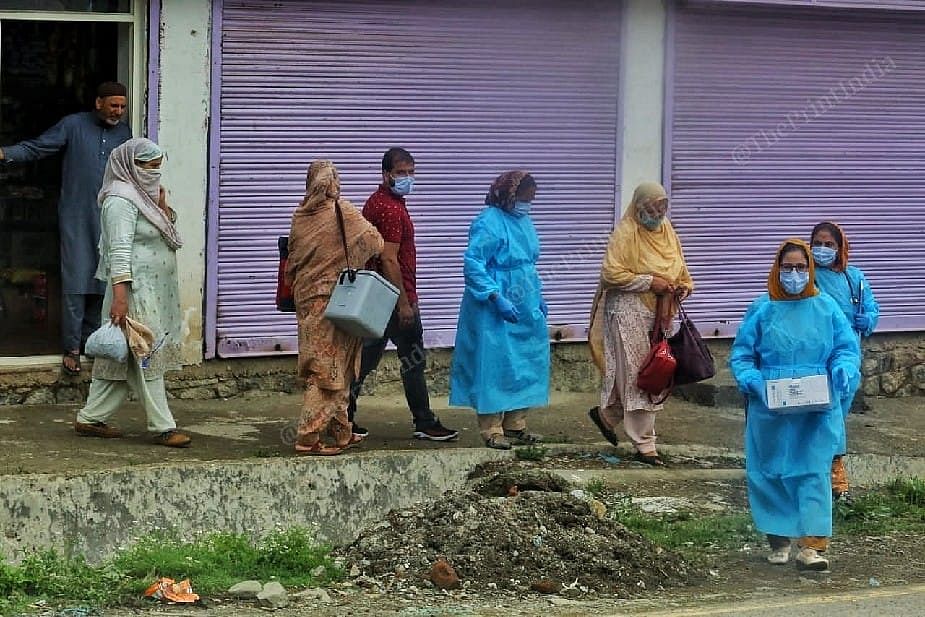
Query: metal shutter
{"points": [[895, 5], [470, 88], [782, 118]]}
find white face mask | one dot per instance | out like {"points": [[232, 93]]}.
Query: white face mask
{"points": [[154, 172]]}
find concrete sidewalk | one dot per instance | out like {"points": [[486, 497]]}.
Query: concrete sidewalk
{"points": [[92, 495], [40, 439]]}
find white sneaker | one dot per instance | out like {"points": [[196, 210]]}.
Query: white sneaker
{"points": [[780, 556], [810, 559]]}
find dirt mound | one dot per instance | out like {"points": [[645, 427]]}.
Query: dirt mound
{"points": [[504, 535], [505, 481]]}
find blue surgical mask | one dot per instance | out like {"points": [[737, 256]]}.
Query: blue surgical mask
{"points": [[403, 186], [650, 222], [824, 256], [794, 282], [521, 208]]}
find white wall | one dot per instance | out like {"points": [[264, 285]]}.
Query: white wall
{"points": [[643, 94], [185, 72]]}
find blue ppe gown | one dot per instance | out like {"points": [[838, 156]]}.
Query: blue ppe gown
{"points": [[788, 457], [500, 366], [852, 293]]}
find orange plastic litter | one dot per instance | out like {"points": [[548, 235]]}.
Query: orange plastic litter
{"points": [[168, 590]]}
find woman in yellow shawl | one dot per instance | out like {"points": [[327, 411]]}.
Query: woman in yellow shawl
{"points": [[644, 263], [329, 358]]}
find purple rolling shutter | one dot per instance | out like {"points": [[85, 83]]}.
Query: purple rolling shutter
{"points": [[893, 5], [471, 89], [781, 118]]}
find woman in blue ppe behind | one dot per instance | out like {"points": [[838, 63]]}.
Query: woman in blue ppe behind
{"points": [[501, 360], [793, 331], [849, 288]]}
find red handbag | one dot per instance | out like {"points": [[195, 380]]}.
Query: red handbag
{"points": [[656, 374], [285, 303]]}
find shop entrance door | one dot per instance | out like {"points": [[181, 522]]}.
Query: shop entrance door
{"points": [[50, 66]]}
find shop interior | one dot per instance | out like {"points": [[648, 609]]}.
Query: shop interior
{"points": [[48, 69]]}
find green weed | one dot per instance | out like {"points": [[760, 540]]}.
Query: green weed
{"points": [[213, 563], [595, 487], [692, 534], [900, 506], [530, 453]]}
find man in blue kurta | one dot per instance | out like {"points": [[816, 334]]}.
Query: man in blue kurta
{"points": [[86, 138]]}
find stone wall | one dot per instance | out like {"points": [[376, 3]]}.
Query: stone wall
{"points": [[894, 365]]}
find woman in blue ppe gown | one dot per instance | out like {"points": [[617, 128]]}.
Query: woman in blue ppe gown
{"points": [[793, 331], [849, 288], [501, 360]]}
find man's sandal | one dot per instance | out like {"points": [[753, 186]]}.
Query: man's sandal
{"points": [[74, 368]]}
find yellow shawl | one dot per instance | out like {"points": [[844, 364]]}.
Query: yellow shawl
{"points": [[632, 251]]}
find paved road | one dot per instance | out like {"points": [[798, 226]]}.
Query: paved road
{"points": [[893, 602]]}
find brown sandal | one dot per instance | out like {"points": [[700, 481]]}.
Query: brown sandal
{"points": [[71, 370], [318, 449], [650, 459]]}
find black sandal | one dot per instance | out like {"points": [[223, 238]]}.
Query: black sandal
{"points": [[609, 435], [72, 355], [649, 459]]}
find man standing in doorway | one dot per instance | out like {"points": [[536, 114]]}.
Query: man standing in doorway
{"points": [[398, 263], [87, 138]]}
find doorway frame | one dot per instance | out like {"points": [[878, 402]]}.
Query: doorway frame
{"points": [[137, 20], [143, 48]]}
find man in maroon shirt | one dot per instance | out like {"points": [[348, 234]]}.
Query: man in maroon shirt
{"points": [[398, 263]]}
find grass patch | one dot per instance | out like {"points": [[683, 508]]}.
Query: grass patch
{"points": [[212, 562], [530, 453], [694, 535], [899, 506], [595, 487]]}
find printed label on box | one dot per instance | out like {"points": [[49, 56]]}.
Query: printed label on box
{"points": [[799, 394]]}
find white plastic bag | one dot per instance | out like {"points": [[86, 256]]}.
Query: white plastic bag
{"points": [[108, 342]]}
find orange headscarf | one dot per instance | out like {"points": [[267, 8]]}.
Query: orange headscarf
{"points": [[775, 289], [841, 259]]}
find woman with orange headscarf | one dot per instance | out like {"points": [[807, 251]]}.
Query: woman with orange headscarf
{"points": [[793, 331], [642, 273], [846, 285], [329, 358]]}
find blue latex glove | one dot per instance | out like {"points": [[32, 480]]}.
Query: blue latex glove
{"points": [[752, 385], [544, 308], [840, 379], [862, 322], [506, 309], [755, 387]]}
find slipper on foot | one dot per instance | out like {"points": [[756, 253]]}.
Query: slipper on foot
{"points": [[609, 435]]}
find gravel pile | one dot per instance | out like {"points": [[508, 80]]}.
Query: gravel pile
{"points": [[514, 530]]}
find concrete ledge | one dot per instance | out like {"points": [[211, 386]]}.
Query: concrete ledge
{"points": [[878, 469], [95, 513]]}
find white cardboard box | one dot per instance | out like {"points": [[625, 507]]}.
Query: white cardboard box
{"points": [[799, 394]]}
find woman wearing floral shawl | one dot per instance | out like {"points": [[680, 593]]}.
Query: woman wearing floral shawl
{"points": [[644, 263], [329, 358]]}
